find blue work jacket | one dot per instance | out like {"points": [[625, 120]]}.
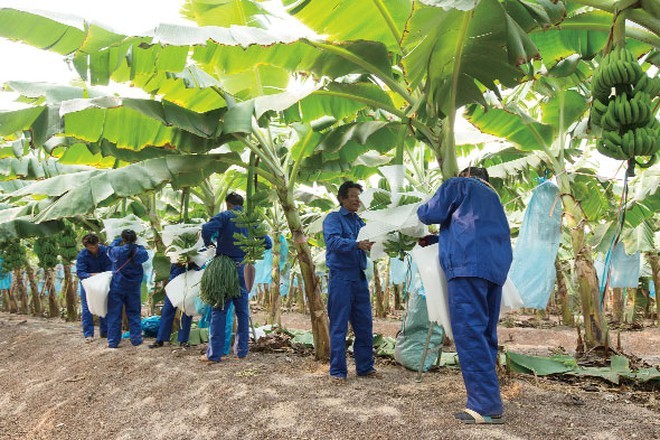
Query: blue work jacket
{"points": [[87, 263], [222, 226], [475, 240], [342, 256], [131, 273]]}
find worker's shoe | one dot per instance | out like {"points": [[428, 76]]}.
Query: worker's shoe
{"points": [[205, 360], [338, 380], [89, 339], [156, 344], [470, 417], [373, 374]]}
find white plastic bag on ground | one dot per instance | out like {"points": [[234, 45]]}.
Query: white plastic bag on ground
{"points": [[96, 291], [435, 285], [511, 299], [183, 290]]}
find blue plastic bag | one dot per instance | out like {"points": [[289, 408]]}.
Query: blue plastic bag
{"points": [[533, 268]]}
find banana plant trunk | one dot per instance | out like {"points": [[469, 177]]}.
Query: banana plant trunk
{"points": [[596, 333], [34, 291], [654, 261], [564, 297], [49, 285], [11, 297], [311, 282], [70, 293], [22, 292], [618, 304], [378, 287], [6, 301], [274, 315]]}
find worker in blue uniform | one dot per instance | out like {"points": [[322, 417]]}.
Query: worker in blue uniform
{"points": [[348, 289], [225, 229], [127, 257], [168, 312], [91, 260], [475, 253]]}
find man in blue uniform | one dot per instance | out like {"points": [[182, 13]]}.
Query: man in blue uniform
{"points": [[91, 260], [475, 253], [225, 229], [127, 257], [348, 290], [168, 312]]}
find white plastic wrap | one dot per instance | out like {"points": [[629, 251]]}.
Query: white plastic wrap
{"points": [[435, 285], [183, 289], [114, 226], [96, 291], [511, 299], [171, 232]]}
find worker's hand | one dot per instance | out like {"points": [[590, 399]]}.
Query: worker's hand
{"points": [[427, 240], [365, 245]]}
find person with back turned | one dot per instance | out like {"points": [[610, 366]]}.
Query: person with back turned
{"points": [[475, 253]]}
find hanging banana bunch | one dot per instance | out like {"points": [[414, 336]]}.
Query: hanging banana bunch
{"points": [[68, 245], [630, 128], [254, 243], [13, 255], [47, 251], [398, 245]]}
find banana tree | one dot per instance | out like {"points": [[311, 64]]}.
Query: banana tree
{"points": [[67, 244], [46, 250]]}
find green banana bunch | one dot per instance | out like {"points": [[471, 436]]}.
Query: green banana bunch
{"points": [[46, 249], [67, 244], [380, 200], [619, 68], [648, 85], [254, 243], [626, 117], [398, 245], [13, 255]]}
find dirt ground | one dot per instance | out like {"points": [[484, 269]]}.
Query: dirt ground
{"points": [[55, 386]]}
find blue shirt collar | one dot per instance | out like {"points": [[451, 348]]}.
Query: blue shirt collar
{"points": [[344, 211]]}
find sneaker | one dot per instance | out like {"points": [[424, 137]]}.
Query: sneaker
{"points": [[89, 339], [156, 344], [183, 345]]}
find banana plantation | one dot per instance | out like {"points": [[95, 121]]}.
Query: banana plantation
{"points": [[282, 102]]}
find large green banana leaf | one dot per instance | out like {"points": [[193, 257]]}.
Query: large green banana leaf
{"points": [[81, 193], [31, 168], [223, 12], [374, 20], [457, 52]]}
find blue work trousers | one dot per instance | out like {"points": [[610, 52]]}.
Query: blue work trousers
{"points": [[217, 327], [348, 301], [118, 298], [88, 318], [166, 320], [474, 306]]}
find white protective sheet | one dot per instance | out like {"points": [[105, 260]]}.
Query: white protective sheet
{"points": [[96, 291], [435, 287], [183, 290], [170, 232], [114, 226], [511, 299]]}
